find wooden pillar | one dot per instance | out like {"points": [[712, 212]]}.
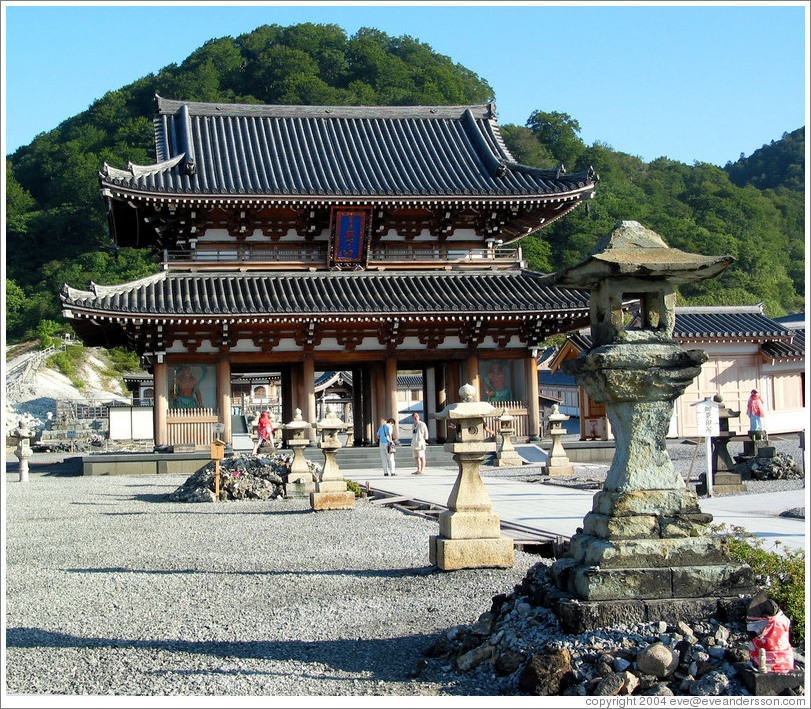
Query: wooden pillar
{"points": [[358, 419], [453, 376], [441, 402], [224, 394], [288, 407], [472, 374], [391, 390], [429, 401], [378, 388], [160, 375], [368, 406], [308, 390], [533, 399]]}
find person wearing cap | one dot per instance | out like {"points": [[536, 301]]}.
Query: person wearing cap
{"points": [[756, 411]]}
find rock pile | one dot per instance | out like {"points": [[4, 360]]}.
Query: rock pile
{"points": [[519, 647], [781, 466], [242, 477]]}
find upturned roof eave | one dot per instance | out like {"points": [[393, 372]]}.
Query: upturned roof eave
{"points": [[109, 187]]}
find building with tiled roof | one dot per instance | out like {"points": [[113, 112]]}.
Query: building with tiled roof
{"points": [[747, 350], [317, 238]]}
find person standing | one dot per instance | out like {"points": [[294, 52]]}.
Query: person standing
{"points": [[756, 411], [385, 435], [419, 441], [264, 432]]}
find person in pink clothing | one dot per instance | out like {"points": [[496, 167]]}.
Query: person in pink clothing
{"points": [[264, 431], [756, 411]]}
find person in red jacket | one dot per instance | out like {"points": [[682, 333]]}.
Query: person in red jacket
{"points": [[756, 411], [264, 432]]}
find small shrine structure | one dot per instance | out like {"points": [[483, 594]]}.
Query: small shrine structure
{"points": [[298, 239]]}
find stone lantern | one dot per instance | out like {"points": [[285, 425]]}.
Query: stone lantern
{"points": [[330, 492], [469, 532], [23, 451], [558, 463], [646, 542], [300, 481], [506, 455]]}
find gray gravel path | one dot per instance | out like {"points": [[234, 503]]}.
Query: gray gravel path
{"points": [[112, 590]]}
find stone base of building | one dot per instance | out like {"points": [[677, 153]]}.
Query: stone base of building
{"points": [[771, 683], [332, 500], [452, 554]]}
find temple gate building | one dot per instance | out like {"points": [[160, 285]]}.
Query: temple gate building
{"points": [[297, 239]]}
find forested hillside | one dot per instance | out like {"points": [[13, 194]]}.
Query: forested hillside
{"points": [[56, 227]]}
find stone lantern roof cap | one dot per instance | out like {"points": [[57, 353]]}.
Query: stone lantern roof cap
{"points": [[469, 408], [631, 250]]}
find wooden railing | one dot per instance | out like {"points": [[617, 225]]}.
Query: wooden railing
{"points": [[310, 255], [191, 426]]}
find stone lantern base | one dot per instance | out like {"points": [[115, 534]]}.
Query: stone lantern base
{"points": [[649, 546], [451, 554], [336, 500]]}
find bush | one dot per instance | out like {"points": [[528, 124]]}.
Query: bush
{"points": [[67, 360], [781, 572], [353, 487], [45, 331], [123, 361]]}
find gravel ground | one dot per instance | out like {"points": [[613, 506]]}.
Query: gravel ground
{"points": [[112, 590]]}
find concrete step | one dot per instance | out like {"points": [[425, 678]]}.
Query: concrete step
{"points": [[369, 457]]}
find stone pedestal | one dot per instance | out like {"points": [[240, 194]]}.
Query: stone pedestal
{"points": [[558, 463], [300, 480], [506, 455], [469, 533], [646, 537], [330, 491]]}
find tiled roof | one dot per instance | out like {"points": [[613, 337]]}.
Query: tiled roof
{"points": [[552, 379], [387, 151], [410, 381], [725, 323], [787, 350], [707, 325], [175, 293]]}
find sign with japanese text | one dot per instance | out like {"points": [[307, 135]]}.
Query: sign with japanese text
{"points": [[350, 231]]}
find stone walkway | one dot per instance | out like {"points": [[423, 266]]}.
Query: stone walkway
{"points": [[559, 510]]}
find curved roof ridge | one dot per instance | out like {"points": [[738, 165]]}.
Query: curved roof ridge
{"points": [[100, 290], [164, 106], [134, 170]]}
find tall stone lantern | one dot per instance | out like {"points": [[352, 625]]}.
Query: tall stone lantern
{"points": [[300, 481], [23, 451], [645, 542], [469, 532], [330, 492]]}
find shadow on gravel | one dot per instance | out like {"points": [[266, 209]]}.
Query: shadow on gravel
{"points": [[368, 660], [370, 573]]}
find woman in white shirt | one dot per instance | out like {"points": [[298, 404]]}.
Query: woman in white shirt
{"points": [[419, 441]]}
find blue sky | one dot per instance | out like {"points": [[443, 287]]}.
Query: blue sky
{"points": [[691, 82]]}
